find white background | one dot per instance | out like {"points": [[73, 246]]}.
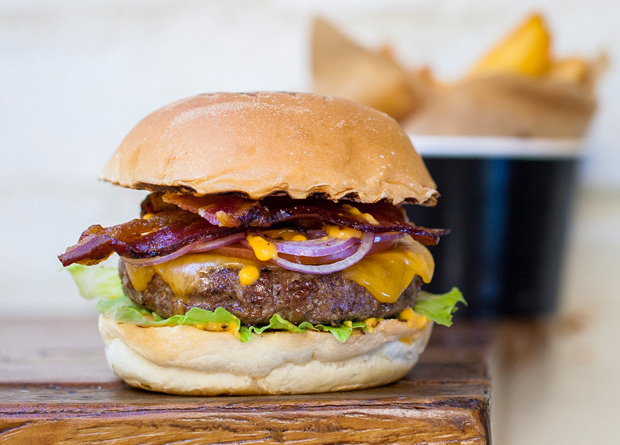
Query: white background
{"points": [[75, 76]]}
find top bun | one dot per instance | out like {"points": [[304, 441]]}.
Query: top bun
{"points": [[260, 144]]}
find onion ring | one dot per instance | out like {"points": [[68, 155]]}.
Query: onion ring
{"points": [[368, 240], [314, 248]]}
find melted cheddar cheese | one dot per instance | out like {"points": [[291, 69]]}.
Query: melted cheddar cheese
{"points": [[387, 274], [182, 274]]}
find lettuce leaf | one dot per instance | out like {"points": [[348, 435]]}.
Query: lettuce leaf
{"points": [[125, 310], [439, 308], [104, 284], [342, 332], [96, 282]]}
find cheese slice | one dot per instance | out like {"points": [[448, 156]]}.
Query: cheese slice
{"points": [[182, 274], [387, 274]]}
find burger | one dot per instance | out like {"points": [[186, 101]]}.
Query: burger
{"points": [[271, 256]]}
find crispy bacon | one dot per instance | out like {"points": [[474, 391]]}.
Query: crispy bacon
{"points": [[160, 235], [235, 211], [219, 210], [178, 220]]}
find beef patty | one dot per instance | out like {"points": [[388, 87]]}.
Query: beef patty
{"points": [[297, 297]]}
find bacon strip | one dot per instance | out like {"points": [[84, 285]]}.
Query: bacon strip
{"points": [[219, 210], [178, 220], [234, 211], [160, 235]]}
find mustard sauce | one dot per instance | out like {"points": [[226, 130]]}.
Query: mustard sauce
{"points": [[413, 319], [263, 249], [342, 232], [355, 211], [286, 234], [249, 274]]}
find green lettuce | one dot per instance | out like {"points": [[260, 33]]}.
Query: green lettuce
{"points": [[439, 308], [104, 284], [342, 332], [125, 310], [97, 282]]}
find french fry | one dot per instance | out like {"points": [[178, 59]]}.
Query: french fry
{"points": [[517, 90], [524, 51]]}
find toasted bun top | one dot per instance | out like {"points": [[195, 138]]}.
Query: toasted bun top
{"points": [[260, 144]]}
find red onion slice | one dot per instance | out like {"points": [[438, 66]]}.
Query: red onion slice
{"points": [[389, 236], [324, 256], [197, 247], [236, 251], [314, 248], [364, 247], [376, 248], [216, 244], [321, 247]]}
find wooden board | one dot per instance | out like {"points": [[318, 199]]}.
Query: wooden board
{"points": [[55, 387]]}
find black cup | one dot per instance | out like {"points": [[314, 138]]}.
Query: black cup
{"points": [[509, 217]]}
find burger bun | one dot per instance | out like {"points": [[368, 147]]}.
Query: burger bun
{"points": [[190, 361], [260, 144]]}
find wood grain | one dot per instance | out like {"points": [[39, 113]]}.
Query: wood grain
{"points": [[55, 388]]}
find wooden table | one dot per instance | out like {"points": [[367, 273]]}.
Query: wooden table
{"points": [[55, 387]]}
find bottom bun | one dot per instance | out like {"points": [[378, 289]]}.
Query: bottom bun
{"points": [[187, 360]]}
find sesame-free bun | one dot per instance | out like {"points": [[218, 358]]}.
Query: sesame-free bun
{"points": [[263, 143], [191, 361]]}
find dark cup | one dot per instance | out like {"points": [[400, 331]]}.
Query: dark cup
{"points": [[509, 214]]}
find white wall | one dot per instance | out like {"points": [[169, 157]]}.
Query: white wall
{"points": [[75, 76]]}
